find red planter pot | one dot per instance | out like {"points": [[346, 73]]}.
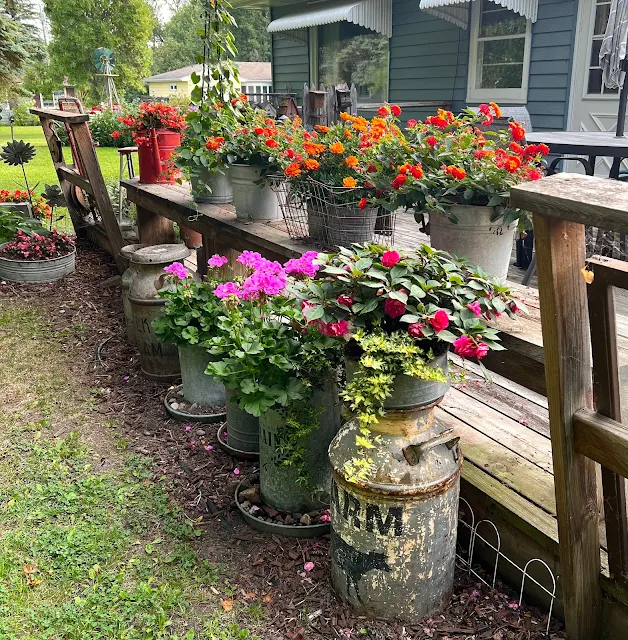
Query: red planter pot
{"points": [[193, 239], [154, 157]]}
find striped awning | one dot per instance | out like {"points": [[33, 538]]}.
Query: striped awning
{"points": [[458, 12], [375, 15]]}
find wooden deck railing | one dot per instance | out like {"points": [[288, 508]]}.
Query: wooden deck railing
{"points": [[579, 336]]}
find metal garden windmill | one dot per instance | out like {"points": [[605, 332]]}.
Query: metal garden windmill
{"points": [[105, 61]]}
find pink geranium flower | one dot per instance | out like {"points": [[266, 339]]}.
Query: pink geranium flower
{"points": [[177, 270], [217, 261]]}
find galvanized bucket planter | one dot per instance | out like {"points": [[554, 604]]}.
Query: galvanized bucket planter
{"points": [[197, 388], [159, 360], [212, 186], [252, 201], [242, 429], [346, 225], [278, 483], [394, 535], [36, 271], [127, 277], [484, 243]]}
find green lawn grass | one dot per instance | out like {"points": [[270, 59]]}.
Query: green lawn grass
{"points": [[91, 546], [40, 170]]}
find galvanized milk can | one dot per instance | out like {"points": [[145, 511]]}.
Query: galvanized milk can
{"points": [[159, 360], [394, 535], [127, 252]]}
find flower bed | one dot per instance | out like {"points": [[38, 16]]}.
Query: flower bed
{"points": [[40, 209]]}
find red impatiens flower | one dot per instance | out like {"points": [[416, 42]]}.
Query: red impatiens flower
{"points": [[383, 111], [440, 321], [416, 330], [466, 347], [394, 308], [272, 144], [395, 110], [399, 181], [390, 259], [517, 132], [345, 300], [116, 134], [431, 140], [412, 123], [363, 203]]}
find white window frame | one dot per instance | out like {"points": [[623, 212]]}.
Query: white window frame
{"points": [[173, 87], [514, 95], [585, 85]]}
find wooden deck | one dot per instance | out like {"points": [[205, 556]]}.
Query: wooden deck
{"points": [[503, 425]]}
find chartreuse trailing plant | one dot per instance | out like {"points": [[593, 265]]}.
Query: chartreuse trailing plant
{"points": [[270, 359], [396, 311]]}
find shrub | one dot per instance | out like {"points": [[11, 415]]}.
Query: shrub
{"points": [[105, 123], [22, 117]]}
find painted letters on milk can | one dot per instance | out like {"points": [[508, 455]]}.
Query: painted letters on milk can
{"points": [[394, 535], [159, 360]]}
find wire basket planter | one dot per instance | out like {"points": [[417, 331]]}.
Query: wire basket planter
{"points": [[330, 217]]}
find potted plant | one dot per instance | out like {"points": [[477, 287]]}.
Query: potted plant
{"points": [[395, 467], [156, 131], [284, 374], [468, 171], [26, 202], [250, 145], [189, 320], [215, 97], [332, 169], [37, 257]]}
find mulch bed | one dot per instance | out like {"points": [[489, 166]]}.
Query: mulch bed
{"points": [[202, 477]]}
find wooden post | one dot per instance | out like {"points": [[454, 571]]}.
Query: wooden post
{"points": [[153, 228], [560, 255]]}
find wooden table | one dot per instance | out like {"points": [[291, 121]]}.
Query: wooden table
{"points": [[592, 144]]}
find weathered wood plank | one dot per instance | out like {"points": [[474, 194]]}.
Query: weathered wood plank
{"points": [[66, 173], [60, 116], [511, 469], [153, 228], [576, 198], [507, 432], [602, 439], [560, 255]]}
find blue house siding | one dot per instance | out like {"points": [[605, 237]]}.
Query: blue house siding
{"points": [[550, 63], [291, 67], [428, 60]]}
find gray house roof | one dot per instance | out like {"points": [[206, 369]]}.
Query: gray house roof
{"points": [[249, 72]]}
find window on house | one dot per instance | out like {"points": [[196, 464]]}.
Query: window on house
{"points": [[348, 53], [173, 87], [595, 86], [499, 59]]}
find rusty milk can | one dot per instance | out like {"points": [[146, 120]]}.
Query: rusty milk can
{"points": [[127, 277], [159, 360], [394, 535]]}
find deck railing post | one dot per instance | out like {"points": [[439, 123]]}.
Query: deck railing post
{"points": [[562, 291]]}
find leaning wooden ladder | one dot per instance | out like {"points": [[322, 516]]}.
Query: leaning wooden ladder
{"points": [[89, 180]]}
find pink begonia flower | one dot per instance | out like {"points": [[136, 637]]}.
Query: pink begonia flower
{"points": [[188, 428], [390, 258], [236, 472], [440, 321], [394, 308], [308, 566], [217, 261], [475, 307], [303, 266], [178, 270], [227, 289]]}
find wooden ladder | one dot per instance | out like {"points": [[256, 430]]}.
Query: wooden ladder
{"points": [[85, 174]]}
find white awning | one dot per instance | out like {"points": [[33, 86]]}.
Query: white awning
{"points": [[458, 12], [375, 15]]}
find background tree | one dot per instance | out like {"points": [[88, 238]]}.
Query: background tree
{"points": [[20, 45], [182, 44], [80, 26]]}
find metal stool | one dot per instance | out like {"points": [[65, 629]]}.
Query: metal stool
{"points": [[126, 154]]}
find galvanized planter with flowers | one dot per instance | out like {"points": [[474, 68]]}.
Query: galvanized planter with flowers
{"points": [[37, 258], [395, 467]]}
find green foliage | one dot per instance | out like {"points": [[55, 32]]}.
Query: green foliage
{"points": [[105, 122], [191, 313], [10, 222], [181, 42], [80, 26], [22, 117]]}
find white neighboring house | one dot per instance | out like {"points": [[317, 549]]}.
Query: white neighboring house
{"points": [[256, 80]]}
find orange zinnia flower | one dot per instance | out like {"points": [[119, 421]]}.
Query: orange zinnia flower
{"points": [[313, 149], [456, 172], [349, 182], [348, 134], [311, 165], [337, 148], [496, 110], [321, 127], [293, 170], [351, 161]]}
